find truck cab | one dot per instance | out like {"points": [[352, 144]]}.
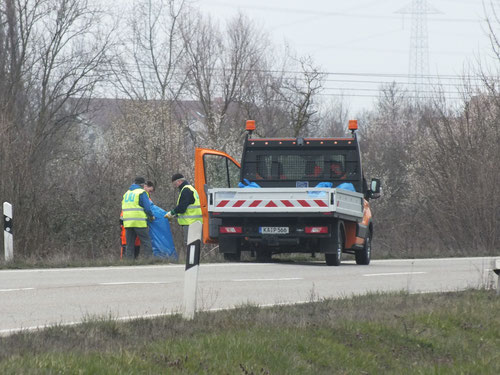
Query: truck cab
{"points": [[289, 195]]}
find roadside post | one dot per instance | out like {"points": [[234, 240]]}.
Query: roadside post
{"points": [[8, 232], [497, 271], [191, 272]]}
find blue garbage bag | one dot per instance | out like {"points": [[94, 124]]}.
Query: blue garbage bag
{"points": [[324, 185], [320, 193], [161, 236], [346, 186], [248, 184]]}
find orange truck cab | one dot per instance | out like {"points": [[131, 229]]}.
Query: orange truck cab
{"points": [[290, 195]]}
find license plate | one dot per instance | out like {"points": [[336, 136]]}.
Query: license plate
{"points": [[273, 230]]}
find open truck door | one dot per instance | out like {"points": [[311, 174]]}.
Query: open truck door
{"points": [[214, 169]]}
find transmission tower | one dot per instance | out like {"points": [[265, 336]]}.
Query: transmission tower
{"points": [[419, 45]]}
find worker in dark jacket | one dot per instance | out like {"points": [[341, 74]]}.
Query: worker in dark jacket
{"points": [[136, 208], [188, 209]]}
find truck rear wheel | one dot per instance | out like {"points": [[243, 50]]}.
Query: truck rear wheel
{"points": [[230, 247], [334, 247], [264, 255], [363, 256]]}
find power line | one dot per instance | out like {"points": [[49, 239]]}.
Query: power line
{"points": [[447, 77], [432, 84], [332, 14], [378, 96], [379, 90]]}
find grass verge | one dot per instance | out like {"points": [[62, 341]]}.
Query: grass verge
{"points": [[450, 333]]}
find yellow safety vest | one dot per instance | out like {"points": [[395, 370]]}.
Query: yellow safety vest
{"points": [[193, 211], [133, 213]]}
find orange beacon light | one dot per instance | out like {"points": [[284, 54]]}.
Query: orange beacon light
{"points": [[353, 125], [250, 125]]}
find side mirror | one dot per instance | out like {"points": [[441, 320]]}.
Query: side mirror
{"points": [[375, 188]]}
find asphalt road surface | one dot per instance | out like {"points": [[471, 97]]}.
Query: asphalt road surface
{"points": [[37, 298]]}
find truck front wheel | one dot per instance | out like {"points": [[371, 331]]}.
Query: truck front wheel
{"points": [[363, 256]]}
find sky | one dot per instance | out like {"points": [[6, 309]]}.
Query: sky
{"points": [[362, 44]]}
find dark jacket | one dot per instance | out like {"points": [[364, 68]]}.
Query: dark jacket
{"points": [[186, 198]]}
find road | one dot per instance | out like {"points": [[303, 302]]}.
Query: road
{"points": [[42, 297]]}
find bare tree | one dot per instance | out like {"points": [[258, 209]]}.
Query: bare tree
{"points": [[491, 10], [333, 117], [147, 69], [55, 50], [147, 61], [459, 168], [388, 137], [299, 94], [219, 64]]}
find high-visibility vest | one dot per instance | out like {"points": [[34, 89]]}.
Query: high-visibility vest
{"points": [[193, 211], [133, 213]]}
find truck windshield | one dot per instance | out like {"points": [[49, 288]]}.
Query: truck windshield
{"points": [[299, 166]]}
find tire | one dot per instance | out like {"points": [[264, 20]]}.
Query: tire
{"points": [[230, 257], [336, 243], [230, 247], [363, 257], [264, 256]]}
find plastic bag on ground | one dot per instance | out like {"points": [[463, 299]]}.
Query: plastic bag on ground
{"points": [[161, 236]]}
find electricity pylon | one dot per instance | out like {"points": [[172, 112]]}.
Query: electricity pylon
{"points": [[419, 44]]}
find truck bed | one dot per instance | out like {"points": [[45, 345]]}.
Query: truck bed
{"points": [[341, 202]]}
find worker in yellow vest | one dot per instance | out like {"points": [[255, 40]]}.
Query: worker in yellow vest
{"points": [[188, 209], [136, 208]]}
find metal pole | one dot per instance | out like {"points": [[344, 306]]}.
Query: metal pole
{"points": [[192, 265], [8, 232]]}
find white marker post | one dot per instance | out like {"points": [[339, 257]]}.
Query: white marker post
{"points": [[8, 232], [497, 271], [192, 265]]}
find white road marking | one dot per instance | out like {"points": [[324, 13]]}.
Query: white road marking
{"points": [[281, 279], [15, 290], [392, 274], [430, 259], [133, 282], [243, 264], [136, 268]]}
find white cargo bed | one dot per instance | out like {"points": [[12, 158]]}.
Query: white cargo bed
{"points": [[286, 200]]}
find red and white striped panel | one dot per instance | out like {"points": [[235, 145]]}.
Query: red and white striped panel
{"points": [[271, 203]]}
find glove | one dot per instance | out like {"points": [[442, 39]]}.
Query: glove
{"points": [[169, 215]]}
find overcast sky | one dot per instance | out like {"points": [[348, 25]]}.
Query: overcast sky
{"points": [[362, 43], [368, 38]]}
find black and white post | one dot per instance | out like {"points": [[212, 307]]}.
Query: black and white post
{"points": [[496, 269], [8, 232], [192, 265]]}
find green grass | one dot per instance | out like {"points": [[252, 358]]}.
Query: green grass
{"points": [[451, 333]]}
